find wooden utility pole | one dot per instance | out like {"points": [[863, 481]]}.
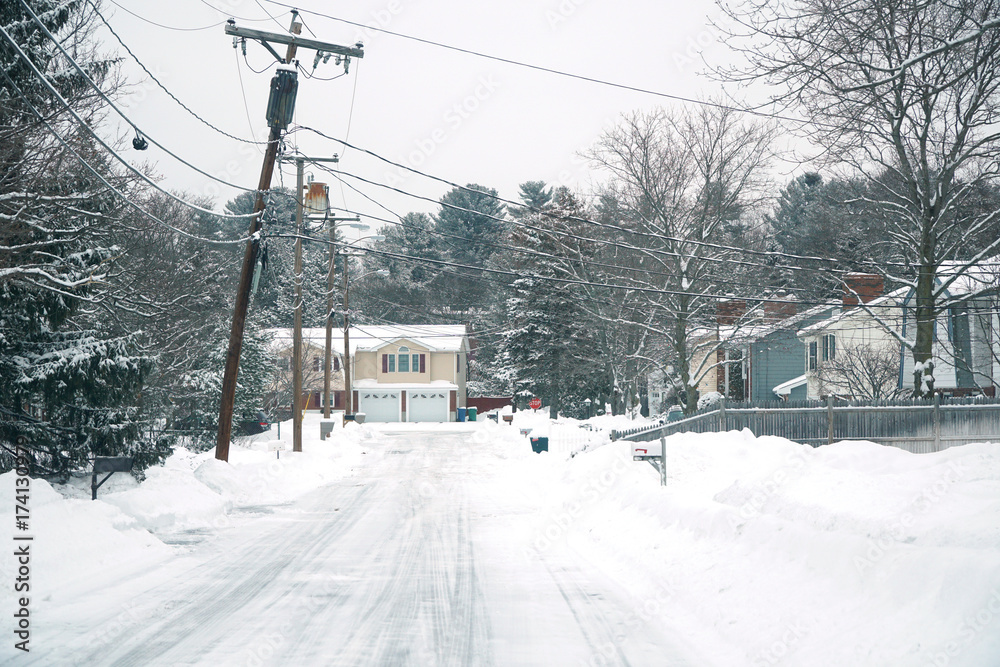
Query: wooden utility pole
{"points": [[297, 309], [348, 390], [228, 399], [330, 285], [297, 391], [327, 366]]}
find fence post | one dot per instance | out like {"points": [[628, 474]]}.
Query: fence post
{"points": [[722, 415], [937, 422], [829, 420]]}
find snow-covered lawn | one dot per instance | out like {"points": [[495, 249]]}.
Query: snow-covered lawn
{"points": [[759, 551]]}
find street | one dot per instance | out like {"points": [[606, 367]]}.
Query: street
{"points": [[421, 557]]}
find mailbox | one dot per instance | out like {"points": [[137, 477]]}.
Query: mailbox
{"points": [[110, 465], [647, 450]]}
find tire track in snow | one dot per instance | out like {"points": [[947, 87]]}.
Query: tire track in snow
{"points": [[212, 598]]}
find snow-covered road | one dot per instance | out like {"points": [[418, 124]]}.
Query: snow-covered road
{"points": [[419, 558]]}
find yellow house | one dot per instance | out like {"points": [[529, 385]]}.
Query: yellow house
{"points": [[400, 373]]}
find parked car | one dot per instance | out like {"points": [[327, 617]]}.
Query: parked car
{"points": [[252, 425]]}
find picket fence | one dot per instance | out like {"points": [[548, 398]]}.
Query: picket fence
{"points": [[918, 426]]}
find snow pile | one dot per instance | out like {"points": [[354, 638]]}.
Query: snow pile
{"points": [[126, 526], [778, 553], [71, 537]]}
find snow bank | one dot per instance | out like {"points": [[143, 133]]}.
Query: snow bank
{"points": [[125, 528], [778, 553], [72, 537]]}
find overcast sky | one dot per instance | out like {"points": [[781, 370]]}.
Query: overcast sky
{"points": [[457, 116]]}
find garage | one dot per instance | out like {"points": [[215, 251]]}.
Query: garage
{"points": [[426, 405], [379, 405]]}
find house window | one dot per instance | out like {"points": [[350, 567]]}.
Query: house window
{"points": [[829, 347], [404, 362], [317, 364], [283, 363], [336, 364], [812, 355]]}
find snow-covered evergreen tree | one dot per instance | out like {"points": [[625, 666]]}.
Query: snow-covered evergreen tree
{"points": [[69, 384], [547, 347]]}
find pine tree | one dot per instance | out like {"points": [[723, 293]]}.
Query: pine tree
{"points": [[547, 348], [69, 384]]}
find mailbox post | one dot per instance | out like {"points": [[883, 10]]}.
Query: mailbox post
{"points": [[110, 465], [655, 453]]}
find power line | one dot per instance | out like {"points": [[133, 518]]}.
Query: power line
{"points": [[230, 14], [41, 77], [527, 251], [243, 91], [550, 214], [518, 275], [588, 283], [107, 184], [269, 66], [587, 239], [873, 265], [549, 70], [157, 81], [263, 9], [160, 25], [519, 249]]}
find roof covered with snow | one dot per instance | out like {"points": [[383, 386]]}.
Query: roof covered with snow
{"points": [[889, 300], [434, 337], [980, 277]]}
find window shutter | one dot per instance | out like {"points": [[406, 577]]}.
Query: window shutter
{"points": [[385, 363], [423, 363]]}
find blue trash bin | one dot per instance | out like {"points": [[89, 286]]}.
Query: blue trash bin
{"points": [[461, 414]]}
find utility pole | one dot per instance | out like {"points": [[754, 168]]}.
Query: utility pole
{"points": [[300, 207], [297, 310], [330, 286], [348, 390], [327, 366], [283, 101]]}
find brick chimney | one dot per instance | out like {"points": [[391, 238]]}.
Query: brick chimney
{"points": [[730, 311], [865, 285], [779, 306]]}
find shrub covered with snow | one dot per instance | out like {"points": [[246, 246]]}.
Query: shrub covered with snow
{"points": [[709, 400]]}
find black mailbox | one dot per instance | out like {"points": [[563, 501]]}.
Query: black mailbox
{"points": [[110, 465]]}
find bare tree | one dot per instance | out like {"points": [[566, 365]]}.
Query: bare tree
{"points": [[867, 371], [905, 93], [683, 181]]}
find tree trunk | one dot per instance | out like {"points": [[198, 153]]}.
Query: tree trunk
{"points": [[923, 347]]}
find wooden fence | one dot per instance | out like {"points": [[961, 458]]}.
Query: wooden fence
{"points": [[918, 426]]}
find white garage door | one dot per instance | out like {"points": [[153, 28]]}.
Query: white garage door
{"points": [[426, 406], [379, 406]]}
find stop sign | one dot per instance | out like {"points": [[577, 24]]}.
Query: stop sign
{"points": [[535, 403]]}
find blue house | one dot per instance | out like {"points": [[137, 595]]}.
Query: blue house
{"points": [[774, 358]]}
